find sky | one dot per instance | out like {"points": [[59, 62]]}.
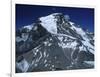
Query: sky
{"points": [[28, 14]]}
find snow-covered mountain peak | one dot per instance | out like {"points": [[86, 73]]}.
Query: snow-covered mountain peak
{"points": [[49, 23], [58, 24], [53, 43], [28, 27]]}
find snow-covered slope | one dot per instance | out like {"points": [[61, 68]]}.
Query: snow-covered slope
{"points": [[86, 38], [53, 43], [49, 23]]}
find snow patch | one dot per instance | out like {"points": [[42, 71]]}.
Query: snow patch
{"points": [[49, 44], [46, 65], [24, 37], [82, 48], [60, 38], [35, 65], [35, 28], [23, 65], [45, 61], [45, 43], [44, 53], [68, 45], [29, 27], [89, 62]]}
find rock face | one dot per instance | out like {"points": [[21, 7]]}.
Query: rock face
{"points": [[53, 43]]}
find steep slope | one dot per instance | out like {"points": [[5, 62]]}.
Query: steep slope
{"points": [[53, 43]]}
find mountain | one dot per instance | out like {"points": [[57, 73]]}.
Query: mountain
{"points": [[53, 43]]}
